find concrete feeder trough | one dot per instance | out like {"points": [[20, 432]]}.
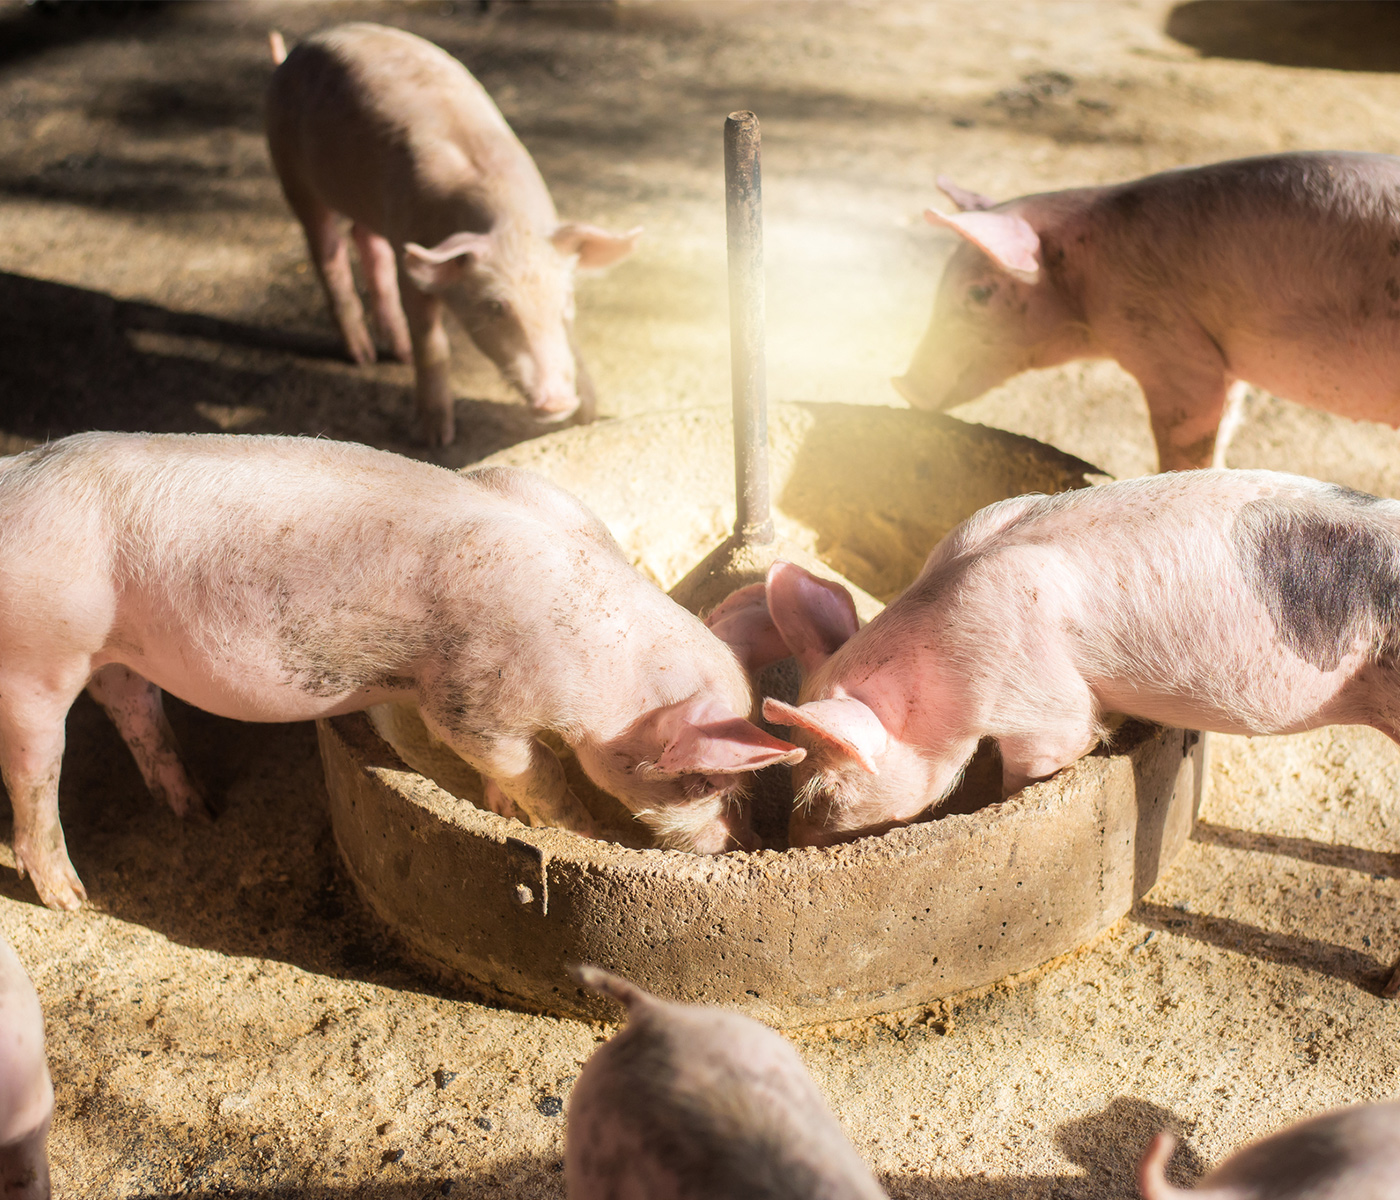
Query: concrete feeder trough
{"points": [[793, 937]]}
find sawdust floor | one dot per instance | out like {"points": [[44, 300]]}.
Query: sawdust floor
{"points": [[226, 1018]]}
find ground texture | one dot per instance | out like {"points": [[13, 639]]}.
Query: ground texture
{"points": [[226, 1019]]}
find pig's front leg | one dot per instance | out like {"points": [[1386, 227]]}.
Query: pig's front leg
{"points": [[382, 279], [526, 774], [330, 253], [1185, 386], [1030, 757], [31, 753], [134, 704], [432, 383]]}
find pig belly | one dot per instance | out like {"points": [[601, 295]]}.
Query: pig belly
{"points": [[1356, 376], [257, 685]]}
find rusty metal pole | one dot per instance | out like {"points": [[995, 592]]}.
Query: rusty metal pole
{"points": [[744, 222]]}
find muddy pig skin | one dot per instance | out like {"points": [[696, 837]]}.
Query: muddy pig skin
{"points": [[1243, 602], [448, 209], [1282, 271], [26, 1093], [692, 1103], [285, 579], [1347, 1154]]}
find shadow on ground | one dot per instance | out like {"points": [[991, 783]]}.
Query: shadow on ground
{"points": [[77, 360], [1361, 35]]}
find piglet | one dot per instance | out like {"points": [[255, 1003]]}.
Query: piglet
{"points": [[285, 579], [1282, 270], [448, 209], [26, 1093], [1244, 602], [691, 1103], [1346, 1154]]}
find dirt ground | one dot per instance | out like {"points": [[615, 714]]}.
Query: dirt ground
{"points": [[226, 1019]]}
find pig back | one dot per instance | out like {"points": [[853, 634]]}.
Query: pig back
{"points": [[393, 132]]}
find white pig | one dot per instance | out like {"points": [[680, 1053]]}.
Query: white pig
{"points": [[448, 208], [26, 1092], [1346, 1154], [1243, 602], [692, 1103], [284, 579], [1283, 271]]}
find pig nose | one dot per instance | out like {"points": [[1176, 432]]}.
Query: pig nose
{"points": [[554, 405]]}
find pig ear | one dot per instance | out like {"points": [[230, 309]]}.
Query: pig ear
{"points": [[447, 262], [965, 200], [814, 616], [846, 724], [595, 247], [708, 739], [1008, 240], [741, 620]]}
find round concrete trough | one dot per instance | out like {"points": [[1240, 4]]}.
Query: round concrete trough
{"points": [[988, 889]]}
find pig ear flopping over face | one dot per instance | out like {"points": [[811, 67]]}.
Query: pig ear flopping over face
{"points": [[845, 724], [434, 269], [965, 200], [705, 738], [815, 617], [595, 247], [1008, 240], [742, 621]]}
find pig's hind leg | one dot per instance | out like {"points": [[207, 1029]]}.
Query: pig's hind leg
{"points": [[382, 279], [330, 254], [134, 704], [31, 755]]}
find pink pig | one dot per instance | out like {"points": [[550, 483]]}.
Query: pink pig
{"points": [[285, 579], [1283, 271], [26, 1092], [692, 1103], [448, 207], [1238, 601], [1346, 1154]]}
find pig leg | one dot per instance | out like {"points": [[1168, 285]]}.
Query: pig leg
{"points": [[1230, 421], [1184, 383], [331, 255], [1026, 758], [134, 704], [31, 753], [526, 773], [382, 279], [431, 358], [24, 1165], [587, 411]]}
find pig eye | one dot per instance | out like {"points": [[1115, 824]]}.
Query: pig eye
{"points": [[494, 309]]}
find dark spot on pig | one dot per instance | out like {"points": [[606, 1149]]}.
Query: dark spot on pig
{"points": [[1394, 247], [1363, 308], [1331, 586], [1352, 496], [981, 293], [1052, 254], [1392, 289]]}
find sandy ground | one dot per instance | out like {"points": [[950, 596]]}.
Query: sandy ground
{"points": [[226, 1019]]}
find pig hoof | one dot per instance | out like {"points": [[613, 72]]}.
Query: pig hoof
{"points": [[59, 889], [361, 348]]}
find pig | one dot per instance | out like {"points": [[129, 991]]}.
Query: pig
{"points": [[1283, 271], [26, 1092], [1244, 602], [694, 1103], [447, 208], [284, 579], [1346, 1154]]}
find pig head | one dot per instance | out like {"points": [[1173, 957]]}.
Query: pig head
{"points": [[856, 774], [512, 290], [998, 310]]}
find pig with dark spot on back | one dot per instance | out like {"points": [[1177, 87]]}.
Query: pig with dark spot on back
{"points": [[1237, 601], [286, 579], [1282, 271], [691, 1103], [1346, 1154], [26, 1092], [449, 209]]}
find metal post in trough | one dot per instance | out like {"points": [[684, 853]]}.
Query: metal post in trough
{"points": [[745, 556]]}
